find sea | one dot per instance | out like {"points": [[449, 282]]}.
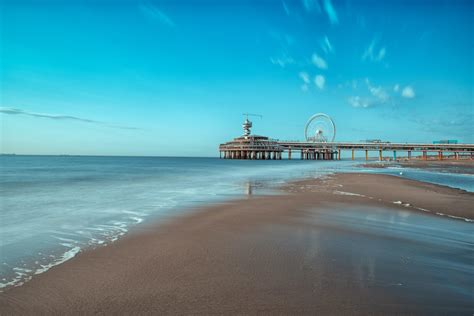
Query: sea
{"points": [[53, 207]]}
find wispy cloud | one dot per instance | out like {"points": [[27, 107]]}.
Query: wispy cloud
{"points": [[314, 5], [285, 7], [374, 95], [154, 13], [408, 92], [378, 92], [304, 76], [319, 62], [13, 111], [359, 102], [454, 125], [326, 45], [374, 53], [311, 5], [306, 81], [282, 61], [331, 12], [320, 81]]}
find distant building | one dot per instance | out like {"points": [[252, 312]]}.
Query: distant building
{"points": [[446, 141]]}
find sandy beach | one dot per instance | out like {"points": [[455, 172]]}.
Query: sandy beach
{"points": [[282, 254]]}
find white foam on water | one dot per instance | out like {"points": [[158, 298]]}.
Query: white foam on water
{"points": [[423, 209], [348, 193], [137, 219], [71, 253], [23, 275], [442, 214], [463, 218], [398, 202]]}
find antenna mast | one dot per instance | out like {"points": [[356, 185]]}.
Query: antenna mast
{"points": [[248, 124]]}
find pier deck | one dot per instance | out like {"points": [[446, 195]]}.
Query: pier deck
{"points": [[264, 148]]}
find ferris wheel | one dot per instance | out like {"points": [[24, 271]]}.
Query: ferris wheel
{"points": [[320, 129]]}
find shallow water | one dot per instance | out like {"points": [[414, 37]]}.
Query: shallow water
{"points": [[424, 261], [52, 206]]}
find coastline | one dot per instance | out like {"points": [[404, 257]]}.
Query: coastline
{"points": [[465, 166], [245, 256]]}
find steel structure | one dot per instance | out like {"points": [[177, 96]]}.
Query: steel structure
{"points": [[261, 147], [320, 128]]}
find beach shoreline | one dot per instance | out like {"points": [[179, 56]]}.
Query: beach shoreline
{"points": [[243, 256], [464, 166]]}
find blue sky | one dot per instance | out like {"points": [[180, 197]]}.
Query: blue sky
{"points": [[174, 77]]}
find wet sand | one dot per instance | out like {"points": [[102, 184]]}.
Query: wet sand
{"points": [[465, 166], [333, 246]]}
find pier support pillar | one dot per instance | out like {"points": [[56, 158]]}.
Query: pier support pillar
{"points": [[302, 157], [380, 155], [352, 154], [395, 155], [456, 155], [424, 155], [366, 154], [409, 154], [339, 154], [289, 153], [440, 155]]}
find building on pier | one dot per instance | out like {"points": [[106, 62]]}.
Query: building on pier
{"points": [[250, 146]]}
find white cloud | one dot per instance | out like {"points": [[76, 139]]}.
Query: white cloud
{"points": [[377, 92], [326, 45], [154, 13], [408, 92], [285, 7], [319, 62], [373, 54], [304, 76], [282, 61], [320, 81], [381, 54], [396, 87], [358, 102], [310, 5], [331, 12]]}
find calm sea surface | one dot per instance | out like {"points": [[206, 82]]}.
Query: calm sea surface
{"points": [[52, 207]]}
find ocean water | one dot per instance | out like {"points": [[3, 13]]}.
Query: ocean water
{"points": [[54, 206]]}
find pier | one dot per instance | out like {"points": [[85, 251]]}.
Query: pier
{"points": [[317, 148]]}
